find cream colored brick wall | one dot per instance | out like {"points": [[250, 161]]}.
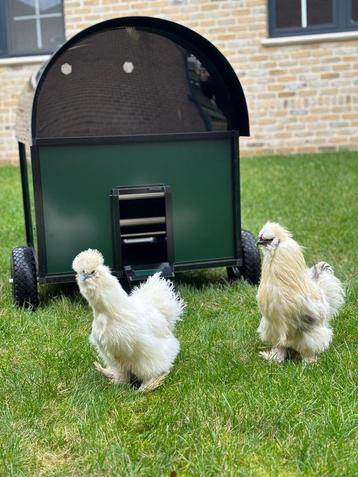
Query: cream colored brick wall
{"points": [[301, 98], [12, 81]]}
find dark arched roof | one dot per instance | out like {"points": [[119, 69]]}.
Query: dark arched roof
{"points": [[137, 75]]}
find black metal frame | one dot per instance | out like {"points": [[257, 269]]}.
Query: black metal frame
{"points": [[116, 230], [39, 215], [342, 10], [4, 43], [25, 195], [44, 277], [134, 138]]}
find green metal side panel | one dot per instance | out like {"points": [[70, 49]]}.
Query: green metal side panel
{"points": [[77, 180]]}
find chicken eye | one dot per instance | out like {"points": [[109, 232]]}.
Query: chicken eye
{"points": [[93, 271]]}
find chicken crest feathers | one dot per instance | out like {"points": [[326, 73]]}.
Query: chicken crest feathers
{"points": [[87, 260], [274, 229]]}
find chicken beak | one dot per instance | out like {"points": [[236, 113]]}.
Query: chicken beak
{"points": [[84, 276], [264, 242]]}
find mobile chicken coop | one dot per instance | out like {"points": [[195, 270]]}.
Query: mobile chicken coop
{"points": [[134, 151]]}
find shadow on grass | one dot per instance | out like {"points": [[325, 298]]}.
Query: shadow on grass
{"points": [[51, 292], [201, 279]]}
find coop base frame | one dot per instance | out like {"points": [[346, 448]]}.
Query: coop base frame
{"points": [[182, 267]]}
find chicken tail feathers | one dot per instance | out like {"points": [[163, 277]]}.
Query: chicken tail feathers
{"points": [[162, 294], [330, 286]]}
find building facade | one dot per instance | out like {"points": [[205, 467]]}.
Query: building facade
{"points": [[297, 61]]}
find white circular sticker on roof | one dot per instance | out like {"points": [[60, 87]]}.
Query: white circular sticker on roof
{"points": [[66, 69], [128, 67]]}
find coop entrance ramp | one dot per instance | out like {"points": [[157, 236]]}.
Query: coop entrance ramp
{"points": [[142, 231]]}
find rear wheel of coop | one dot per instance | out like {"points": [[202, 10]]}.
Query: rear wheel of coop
{"points": [[24, 278], [251, 267]]}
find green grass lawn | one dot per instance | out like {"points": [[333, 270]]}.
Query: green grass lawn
{"points": [[222, 411]]}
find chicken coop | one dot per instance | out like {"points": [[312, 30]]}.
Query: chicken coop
{"points": [[133, 127]]}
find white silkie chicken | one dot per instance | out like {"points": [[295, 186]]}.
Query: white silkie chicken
{"points": [[296, 302], [133, 334]]}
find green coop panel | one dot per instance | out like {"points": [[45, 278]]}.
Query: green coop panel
{"points": [[77, 181]]}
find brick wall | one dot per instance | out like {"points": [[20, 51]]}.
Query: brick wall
{"points": [[301, 98]]}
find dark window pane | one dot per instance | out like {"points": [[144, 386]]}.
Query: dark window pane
{"points": [[22, 37], [355, 10], [52, 33], [319, 12], [19, 8], [288, 13], [50, 6]]}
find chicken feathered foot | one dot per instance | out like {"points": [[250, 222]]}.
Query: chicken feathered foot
{"points": [[111, 375], [309, 359], [106, 372], [152, 383], [277, 355]]}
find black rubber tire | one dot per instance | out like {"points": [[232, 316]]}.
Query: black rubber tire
{"points": [[24, 278], [251, 267]]}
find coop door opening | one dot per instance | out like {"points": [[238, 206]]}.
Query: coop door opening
{"points": [[143, 220]]}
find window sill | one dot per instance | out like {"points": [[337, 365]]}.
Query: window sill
{"points": [[301, 39], [24, 60]]}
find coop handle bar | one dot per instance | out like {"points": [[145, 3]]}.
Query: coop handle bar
{"points": [[140, 240], [147, 195], [144, 234], [142, 221]]}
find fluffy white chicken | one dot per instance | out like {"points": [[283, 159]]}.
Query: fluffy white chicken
{"points": [[133, 334], [296, 302]]}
